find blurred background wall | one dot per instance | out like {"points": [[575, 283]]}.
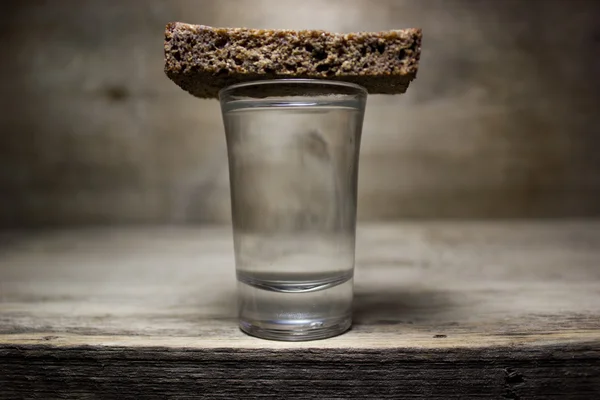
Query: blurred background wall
{"points": [[501, 122]]}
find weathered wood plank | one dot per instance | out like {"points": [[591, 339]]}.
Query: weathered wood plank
{"points": [[112, 372], [443, 310]]}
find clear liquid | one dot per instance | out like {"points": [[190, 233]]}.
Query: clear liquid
{"points": [[293, 173]]}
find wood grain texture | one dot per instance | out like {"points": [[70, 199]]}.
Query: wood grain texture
{"points": [[442, 310]]}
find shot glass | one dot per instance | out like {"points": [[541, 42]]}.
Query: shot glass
{"points": [[293, 150]]}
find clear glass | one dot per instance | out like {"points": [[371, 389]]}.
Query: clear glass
{"points": [[293, 149]]}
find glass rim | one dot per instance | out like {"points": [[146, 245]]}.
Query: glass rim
{"points": [[300, 81]]}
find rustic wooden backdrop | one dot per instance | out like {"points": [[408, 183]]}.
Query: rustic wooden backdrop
{"points": [[501, 122]]}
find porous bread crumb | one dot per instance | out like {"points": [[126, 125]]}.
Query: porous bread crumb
{"points": [[202, 60]]}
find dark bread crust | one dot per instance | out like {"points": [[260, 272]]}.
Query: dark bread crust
{"points": [[202, 60]]}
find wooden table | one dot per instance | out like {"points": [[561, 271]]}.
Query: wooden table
{"points": [[500, 310]]}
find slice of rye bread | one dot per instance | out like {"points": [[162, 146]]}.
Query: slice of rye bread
{"points": [[202, 60]]}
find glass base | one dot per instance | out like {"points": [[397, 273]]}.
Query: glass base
{"points": [[296, 332], [295, 309]]}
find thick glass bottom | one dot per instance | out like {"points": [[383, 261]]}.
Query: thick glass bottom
{"points": [[296, 331], [302, 311]]}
